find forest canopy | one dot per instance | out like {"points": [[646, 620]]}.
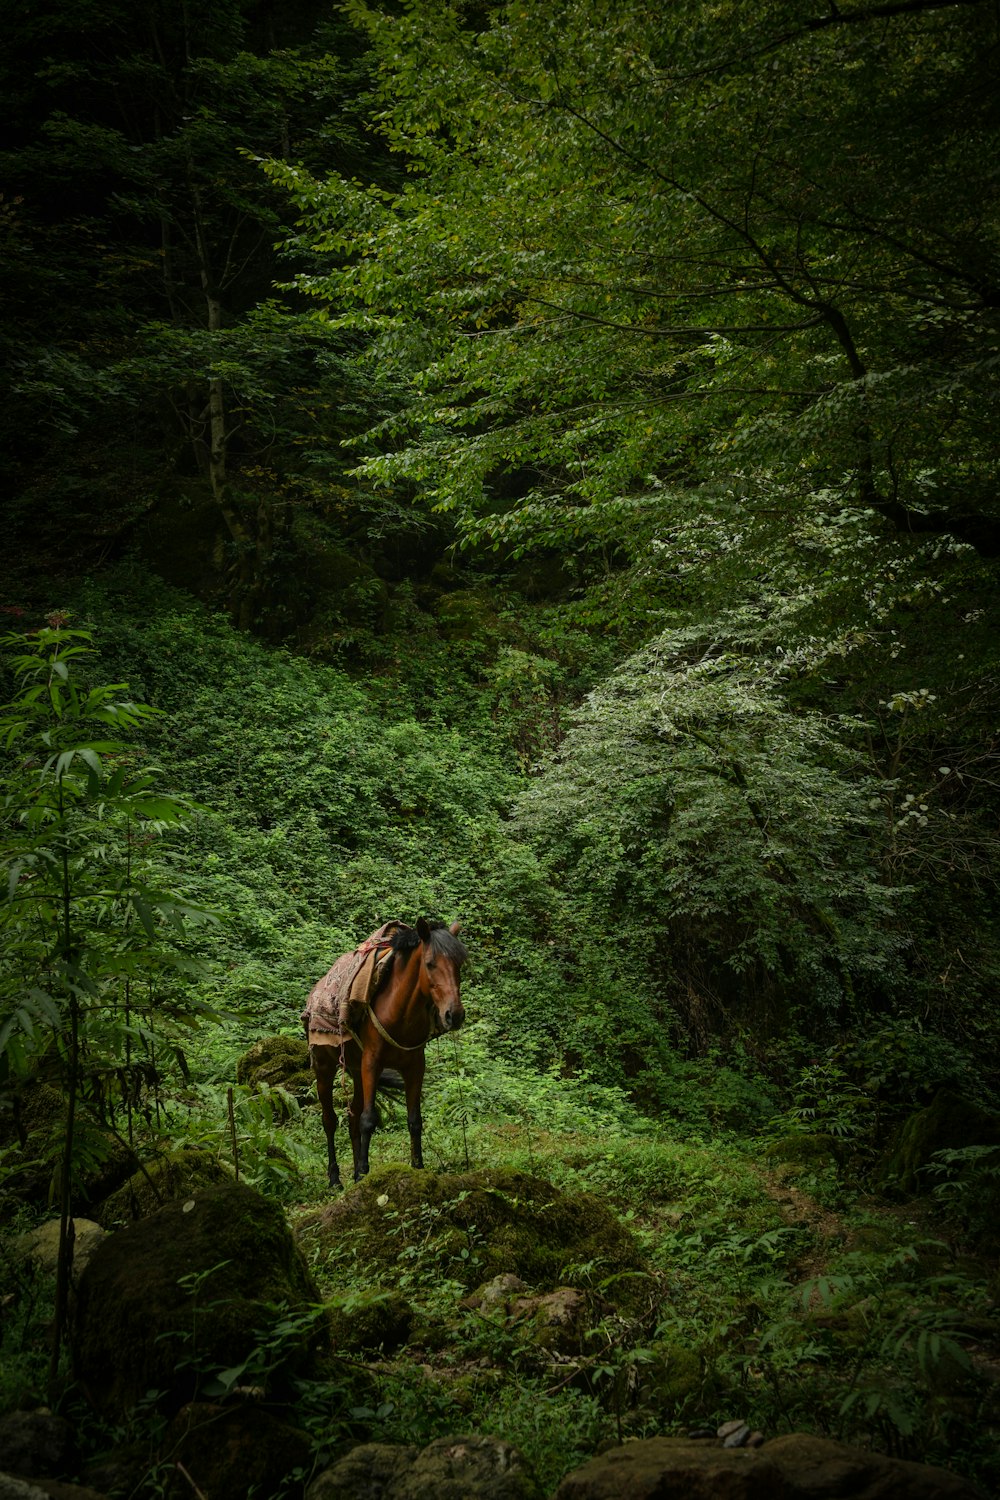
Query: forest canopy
{"points": [[611, 386]]}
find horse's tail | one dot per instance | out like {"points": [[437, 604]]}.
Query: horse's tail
{"points": [[390, 1082]]}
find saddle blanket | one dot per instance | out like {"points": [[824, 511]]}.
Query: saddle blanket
{"points": [[337, 1004]]}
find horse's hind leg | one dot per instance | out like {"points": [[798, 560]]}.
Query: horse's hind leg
{"points": [[414, 1083], [325, 1061]]}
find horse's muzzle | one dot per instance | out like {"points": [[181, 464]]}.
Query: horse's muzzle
{"points": [[453, 1018]]}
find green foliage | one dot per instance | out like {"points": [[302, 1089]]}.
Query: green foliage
{"points": [[968, 1189], [712, 829], [734, 368], [149, 348], [877, 1340], [94, 926], [644, 299], [253, 1140], [87, 933]]}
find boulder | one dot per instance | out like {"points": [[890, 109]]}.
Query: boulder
{"points": [[948, 1123], [37, 1443], [796, 1467], [177, 1174], [36, 1146], [371, 1470], [42, 1245], [473, 1226], [366, 1322], [229, 1452], [278, 1062], [497, 1294], [450, 1468], [170, 1301], [14, 1488], [559, 1321], [673, 1378]]}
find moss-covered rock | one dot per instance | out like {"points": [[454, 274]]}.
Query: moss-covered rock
{"points": [[558, 1321], [449, 1468], [34, 1130], [278, 1062], [229, 1452], [672, 1379], [948, 1123], [178, 1174], [467, 1227], [370, 1321], [186, 1292], [41, 1245]]}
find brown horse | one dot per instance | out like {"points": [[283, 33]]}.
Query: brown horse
{"points": [[417, 997]]}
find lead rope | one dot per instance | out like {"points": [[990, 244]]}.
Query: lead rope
{"points": [[387, 1038]]}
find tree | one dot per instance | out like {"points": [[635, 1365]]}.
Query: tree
{"points": [[710, 300], [88, 923], [677, 244], [149, 356]]}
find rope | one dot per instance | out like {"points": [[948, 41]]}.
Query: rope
{"points": [[387, 1038]]}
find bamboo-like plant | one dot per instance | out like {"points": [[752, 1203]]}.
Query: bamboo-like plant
{"points": [[88, 924]]}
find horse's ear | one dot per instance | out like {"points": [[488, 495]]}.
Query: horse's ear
{"points": [[423, 931], [455, 928]]}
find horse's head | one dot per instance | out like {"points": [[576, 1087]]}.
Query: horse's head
{"points": [[441, 960]]}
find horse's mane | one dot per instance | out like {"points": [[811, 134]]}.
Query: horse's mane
{"points": [[446, 944], [443, 943]]}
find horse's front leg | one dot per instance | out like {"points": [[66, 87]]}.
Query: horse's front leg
{"points": [[414, 1082], [364, 1116]]}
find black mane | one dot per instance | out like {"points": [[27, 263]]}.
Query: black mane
{"points": [[443, 943]]}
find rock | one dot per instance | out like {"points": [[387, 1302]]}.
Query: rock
{"points": [[455, 1468], [229, 1452], [497, 1293], [369, 1472], [42, 1246], [122, 1470], [14, 1488], [728, 1428], [450, 1468], [176, 1175], [738, 1437], [177, 1296], [31, 1161], [796, 1467], [560, 1319], [948, 1122], [481, 1225], [370, 1321], [37, 1443], [672, 1378], [278, 1062]]}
